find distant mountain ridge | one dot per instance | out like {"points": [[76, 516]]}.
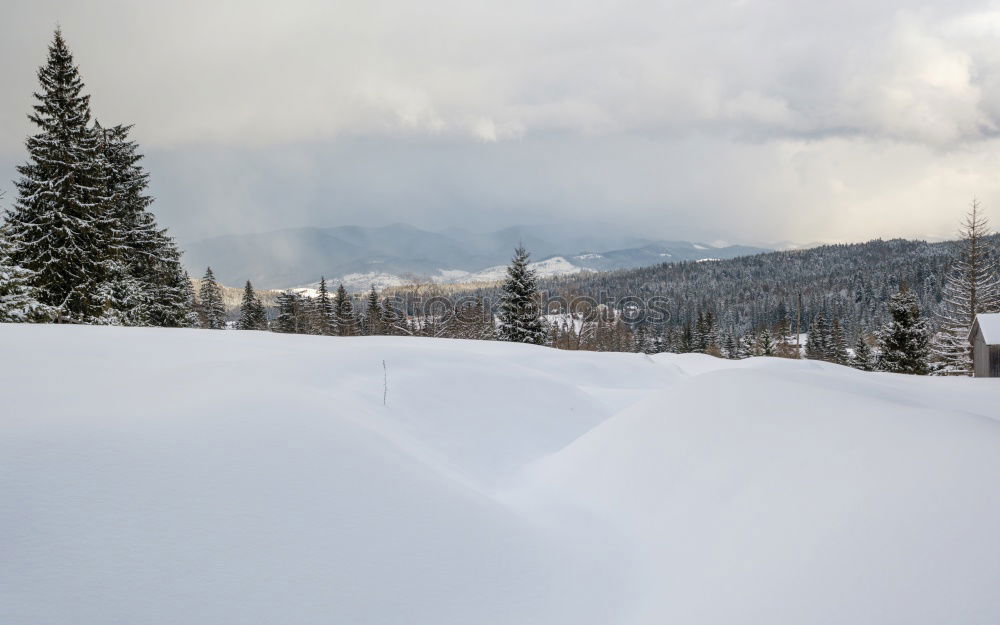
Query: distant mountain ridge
{"points": [[399, 253]]}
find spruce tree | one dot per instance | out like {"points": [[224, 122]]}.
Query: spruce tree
{"points": [[686, 343], [729, 349], [287, 320], [903, 342], [140, 254], [58, 228], [325, 317], [121, 298], [520, 321], [191, 317], [212, 307], [252, 314], [699, 334], [17, 297], [972, 287], [864, 357], [393, 320], [343, 310], [374, 323], [817, 342], [765, 343], [837, 349]]}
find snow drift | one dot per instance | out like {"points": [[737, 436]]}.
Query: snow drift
{"points": [[189, 477]]}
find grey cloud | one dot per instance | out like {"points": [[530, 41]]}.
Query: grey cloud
{"points": [[746, 120]]}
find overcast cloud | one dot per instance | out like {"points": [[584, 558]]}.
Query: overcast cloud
{"points": [[747, 121]]}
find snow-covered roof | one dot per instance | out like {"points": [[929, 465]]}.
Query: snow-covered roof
{"points": [[989, 325]]}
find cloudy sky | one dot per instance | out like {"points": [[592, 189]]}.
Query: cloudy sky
{"points": [[747, 121]]}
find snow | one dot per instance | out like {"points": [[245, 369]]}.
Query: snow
{"points": [[555, 266], [989, 325], [360, 282], [189, 476], [356, 282], [450, 275]]}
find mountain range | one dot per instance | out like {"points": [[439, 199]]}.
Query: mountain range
{"points": [[400, 253]]}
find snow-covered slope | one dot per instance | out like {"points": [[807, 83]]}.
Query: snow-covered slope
{"points": [[189, 477]]}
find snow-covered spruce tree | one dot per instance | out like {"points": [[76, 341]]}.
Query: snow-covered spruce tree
{"points": [[864, 357], [686, 340], [837, 349], [58, 226], [374, 324], [142, 250], [252, 314], [747, 346], [325, 318], [394, 320], [729, 347], [17, 297], [212, 309], [765, 343], [904, 342], [817, 341], [122, 299], [310, 321], [343, 311], [520, 321], [288, 319], [972, 287], [192, 318]]}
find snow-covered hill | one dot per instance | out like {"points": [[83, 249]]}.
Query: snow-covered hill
{"points": [[189, 477]]}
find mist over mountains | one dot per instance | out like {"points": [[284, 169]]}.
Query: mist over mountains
{"points": [[398, 253]]}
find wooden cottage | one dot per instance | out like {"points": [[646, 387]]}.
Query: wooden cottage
{"points": [[985, 339]]}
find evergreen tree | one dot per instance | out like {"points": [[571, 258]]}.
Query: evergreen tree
{"points": [[172, 303], [817, 342], [289, 314], [17, 297], [699, 334], [837, 350], [310, 320], [765, 343], [141, 256], [972, 287], [903, 342], [58, 228], [393, 320], [864, 357], [325, 317], [213, 310], [191, 317], [343, 310], [729, 348], [686, 342], [120, 297], [252, 314], [374, 323], [520, 321]]}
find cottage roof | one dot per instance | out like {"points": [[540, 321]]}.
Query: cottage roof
{"points": [[989, 324]]}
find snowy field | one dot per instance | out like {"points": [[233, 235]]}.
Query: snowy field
{"points": [[191, 477]]}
